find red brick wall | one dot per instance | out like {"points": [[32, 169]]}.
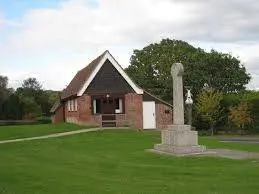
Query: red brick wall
{"points": [[121, 120], [162, 118], [84, 108], [134, 110], [97, 119], [71, 116], [83, 115], [58, 116]]}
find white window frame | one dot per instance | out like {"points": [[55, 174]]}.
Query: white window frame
{"points": [[72, 105], [75, 104], [120, 110], [68, 105], [94, 105]]}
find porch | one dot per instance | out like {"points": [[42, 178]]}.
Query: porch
{"points": [[110, 120], [108, 110]]}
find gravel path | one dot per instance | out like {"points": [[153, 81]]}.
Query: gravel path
{"points": [[240, 139], [224, 153], [233, 154], [50, 136]]}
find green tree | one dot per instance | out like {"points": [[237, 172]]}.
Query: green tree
{"points": [[4, 95], [150, 68], [31, 93], [31, 109], [27, 102], [31, 96], [12, 108], [32, 83], [31, 87], [48, 98], [3, 88], [208, 106]]}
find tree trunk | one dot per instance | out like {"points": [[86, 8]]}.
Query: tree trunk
{"points": [[242, 129], [212, 130]]}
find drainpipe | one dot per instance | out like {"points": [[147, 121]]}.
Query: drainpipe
{"points": [[63, 107]]}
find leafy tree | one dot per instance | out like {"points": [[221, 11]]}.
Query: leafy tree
{"points": [[12, 108], [151, 66], [3, 88], [4, 95], [208, 106], [240, 115], [31, 88], [30, 108], [27, 102], [225, 72], [48, 98], [32, 83], [30, 95], [53, 96]]}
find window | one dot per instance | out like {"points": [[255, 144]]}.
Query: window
{"points": [[97, 106], [118, 105], [72, 105], [75, 105], [68, 106]]}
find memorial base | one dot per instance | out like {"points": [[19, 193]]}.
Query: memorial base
{"points": [[179, 140]]}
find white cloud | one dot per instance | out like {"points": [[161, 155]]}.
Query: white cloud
{"points": [[75, 24], [46, 40], [55, 74]]}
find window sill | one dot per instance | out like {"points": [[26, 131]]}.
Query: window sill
{"points": [[109, 114]]}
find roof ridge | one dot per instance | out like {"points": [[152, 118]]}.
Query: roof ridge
{"points": [[95, 59], [81, 75]]}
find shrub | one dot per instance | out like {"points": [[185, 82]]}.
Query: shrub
{"points": [[208, 107], [254, 108], [240, 115], [43, 120]]}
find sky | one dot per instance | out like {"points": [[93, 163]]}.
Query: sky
{"points": [[53, 39]]}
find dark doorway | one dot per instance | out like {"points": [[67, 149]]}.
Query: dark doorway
{"points": [[108, 106]]}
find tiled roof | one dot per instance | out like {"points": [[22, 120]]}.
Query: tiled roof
{"points": [[80, 78]]}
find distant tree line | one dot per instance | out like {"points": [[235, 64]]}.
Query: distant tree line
{"points": [[27, 102]]}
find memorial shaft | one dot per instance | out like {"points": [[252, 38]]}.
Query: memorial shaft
{"points": [[178, 102]]}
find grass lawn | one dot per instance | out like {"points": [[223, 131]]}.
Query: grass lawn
{"points": [[113, 161], [20, 131]]}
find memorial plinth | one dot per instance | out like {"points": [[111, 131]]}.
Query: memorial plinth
{"points": [[179, 140]]}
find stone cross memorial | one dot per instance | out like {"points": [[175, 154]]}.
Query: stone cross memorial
{"points": [[179, 139]]}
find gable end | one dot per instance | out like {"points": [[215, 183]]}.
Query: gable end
{"points": [[110, 58], [108, 80]]}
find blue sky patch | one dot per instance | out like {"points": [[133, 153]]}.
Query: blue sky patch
{"points": [[13, 9]]}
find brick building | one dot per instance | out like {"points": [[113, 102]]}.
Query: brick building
{"points": [[103, 94]]}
